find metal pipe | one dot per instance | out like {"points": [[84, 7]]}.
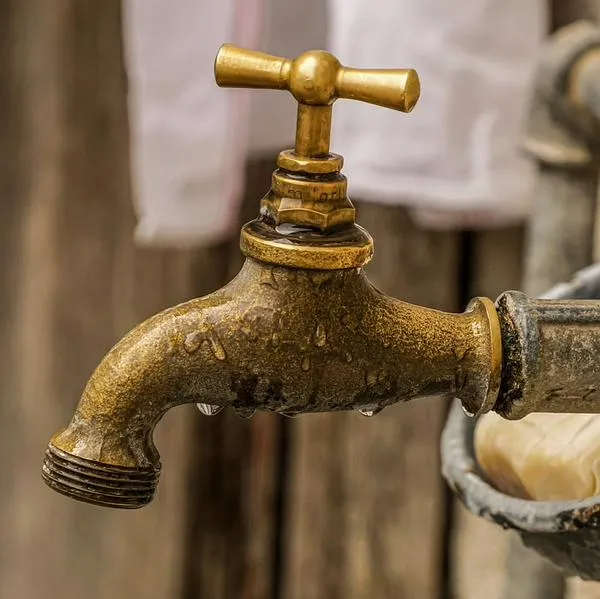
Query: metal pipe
{"points": [[551, 351]]}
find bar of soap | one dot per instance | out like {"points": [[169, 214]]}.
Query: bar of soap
{"points": [[543, 457]]}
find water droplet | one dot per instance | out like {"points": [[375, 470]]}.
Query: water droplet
{"points": [[244, 412], [291, 228], [371, 378], [290, 414], [320, 336], [192, 342], [370, 410], [209, 409], [268, 278], [216, 346], [460, 354], [251, 325], [305, 364], [348, 357], [320, 278], [345, 318]]}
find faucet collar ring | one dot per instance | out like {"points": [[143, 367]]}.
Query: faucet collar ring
{"points": [[301, 247], [290, 161], [491, 319]]}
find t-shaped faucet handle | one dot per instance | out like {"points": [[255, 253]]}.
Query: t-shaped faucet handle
{"points": [[306, 218], [316, 79]]}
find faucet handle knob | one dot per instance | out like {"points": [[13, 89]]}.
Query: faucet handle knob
{"points": [[316, 79], [238, 67]]}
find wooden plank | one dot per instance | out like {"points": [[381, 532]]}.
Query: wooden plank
{"points": [[72, 283], [70, 293], [479, 548], [233, 488], [365, 500]]}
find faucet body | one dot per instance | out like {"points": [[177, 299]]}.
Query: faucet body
{"points": [[279, 339], [301, 329]]}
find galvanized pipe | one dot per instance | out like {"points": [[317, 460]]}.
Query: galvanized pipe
{"points": [[551, 351]]}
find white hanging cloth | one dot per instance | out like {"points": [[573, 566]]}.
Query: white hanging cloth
{"points": [[187, 138], [454, 161]]}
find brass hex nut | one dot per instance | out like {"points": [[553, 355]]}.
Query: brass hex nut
{"points": [[319, 202]]}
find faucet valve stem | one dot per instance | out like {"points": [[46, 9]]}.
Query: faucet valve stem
{"points": [[307, 219]]}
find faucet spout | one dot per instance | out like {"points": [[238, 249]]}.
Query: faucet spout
{"points": [[280, 339]]}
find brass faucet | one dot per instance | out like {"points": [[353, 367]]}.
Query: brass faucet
{"points": [[300, 328]]}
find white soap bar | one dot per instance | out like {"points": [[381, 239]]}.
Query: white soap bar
{"points": [[545, 457]]}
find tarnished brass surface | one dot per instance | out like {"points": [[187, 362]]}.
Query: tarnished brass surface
{"points": [[301, 200], [280, 339], [308, 189], [300, 329], [300, 247], [316, 79]]}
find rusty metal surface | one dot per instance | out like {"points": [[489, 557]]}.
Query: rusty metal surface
{"points": [[550, 353], [567, 533], [551, 349]]}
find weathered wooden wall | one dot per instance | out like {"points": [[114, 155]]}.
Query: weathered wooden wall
{"points": [[365, 500], [74, 284]]}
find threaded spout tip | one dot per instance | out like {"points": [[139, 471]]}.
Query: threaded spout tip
{"points": [[97, 483]]}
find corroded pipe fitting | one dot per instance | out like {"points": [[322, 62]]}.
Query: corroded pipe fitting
{"points": [[551, 350], [565, 532]]}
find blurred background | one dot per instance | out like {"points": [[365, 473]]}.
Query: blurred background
{"points": [[322, 506]]}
